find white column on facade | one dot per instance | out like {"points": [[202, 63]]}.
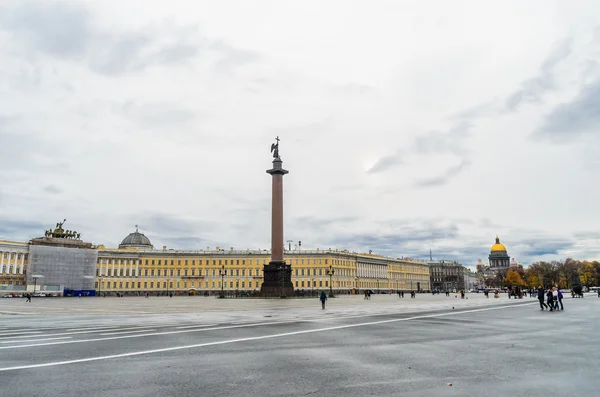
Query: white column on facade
{"points": [[112, 268], [22, 263], [137, 262], [1, 262], [100, 271], [16, 255]]}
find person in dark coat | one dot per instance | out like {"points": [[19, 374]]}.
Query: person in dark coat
{"points": [[540, 294], [550, 300], [323, 298], [560, 297]]}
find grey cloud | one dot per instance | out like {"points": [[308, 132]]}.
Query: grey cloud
{"points": [[309, 131], [136, 51], [532, 90], [577, 117], [484, 109], [453, 141], [170, 224], [186, 243], [386, 162], [309, 222], [445, 177], [64, 30], [50, 28], [123, 54], [231, 57], [399, 243], [11, 229], [540, 247], [52, 189], [156, 114], [587, 235]]}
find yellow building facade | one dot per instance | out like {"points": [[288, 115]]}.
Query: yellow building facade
{"points": [[136, 267], [14, 258]]}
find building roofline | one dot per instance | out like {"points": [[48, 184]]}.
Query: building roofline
{"points": [[174, 252]]}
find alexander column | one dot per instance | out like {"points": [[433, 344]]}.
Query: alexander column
{"points": [[277, 274]]}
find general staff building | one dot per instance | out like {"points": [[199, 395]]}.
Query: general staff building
{"points": [[137, 267]]}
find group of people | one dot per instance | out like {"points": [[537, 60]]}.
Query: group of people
{"points": [[553, 297]]}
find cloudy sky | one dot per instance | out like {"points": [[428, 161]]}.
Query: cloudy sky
{"points": [[406, 125]]}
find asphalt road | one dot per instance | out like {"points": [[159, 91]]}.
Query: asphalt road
{"points": [[511, 348]]}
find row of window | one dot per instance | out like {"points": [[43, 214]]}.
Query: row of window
{"points": [[128, 272], [118, 272], [219, 262], [14, 255], [10, 282], [176, 285], [230, 285]]}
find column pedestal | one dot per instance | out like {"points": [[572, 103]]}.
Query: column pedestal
{"points": [[277, 280]]}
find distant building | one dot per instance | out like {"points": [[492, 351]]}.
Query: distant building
{"points": [[446, 275], [480, 266], [499, 263], [472, 281], [499, 258]]}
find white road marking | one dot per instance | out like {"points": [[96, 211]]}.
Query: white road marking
{"points": [[20, 332], [129, 332], [251, 338], [154, 334], [197, 326], [84, 332], [35, 340], [74, 329]]}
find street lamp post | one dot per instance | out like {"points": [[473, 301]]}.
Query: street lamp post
{"points": [[99, 286], [222, 273], [330, 272], [312, 285], [357, 286], [168, 281]]}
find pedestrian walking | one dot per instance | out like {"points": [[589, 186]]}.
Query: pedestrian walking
{"points": [[555, 297], [323, 298], [541, 295], [28, 296], [550, 300], [560, 298]]}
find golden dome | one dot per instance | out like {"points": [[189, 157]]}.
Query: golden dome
{"points": [[498, 247]]}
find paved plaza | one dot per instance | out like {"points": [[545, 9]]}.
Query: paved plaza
{"points": [[190, 346]]}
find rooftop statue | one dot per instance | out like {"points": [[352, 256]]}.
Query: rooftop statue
{"points": [[275, 148]]}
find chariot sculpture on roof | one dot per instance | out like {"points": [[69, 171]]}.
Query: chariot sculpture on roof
{"points": [[59, 232]]}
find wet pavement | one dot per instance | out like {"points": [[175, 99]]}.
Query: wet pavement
{"points": [[274, 348]]}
